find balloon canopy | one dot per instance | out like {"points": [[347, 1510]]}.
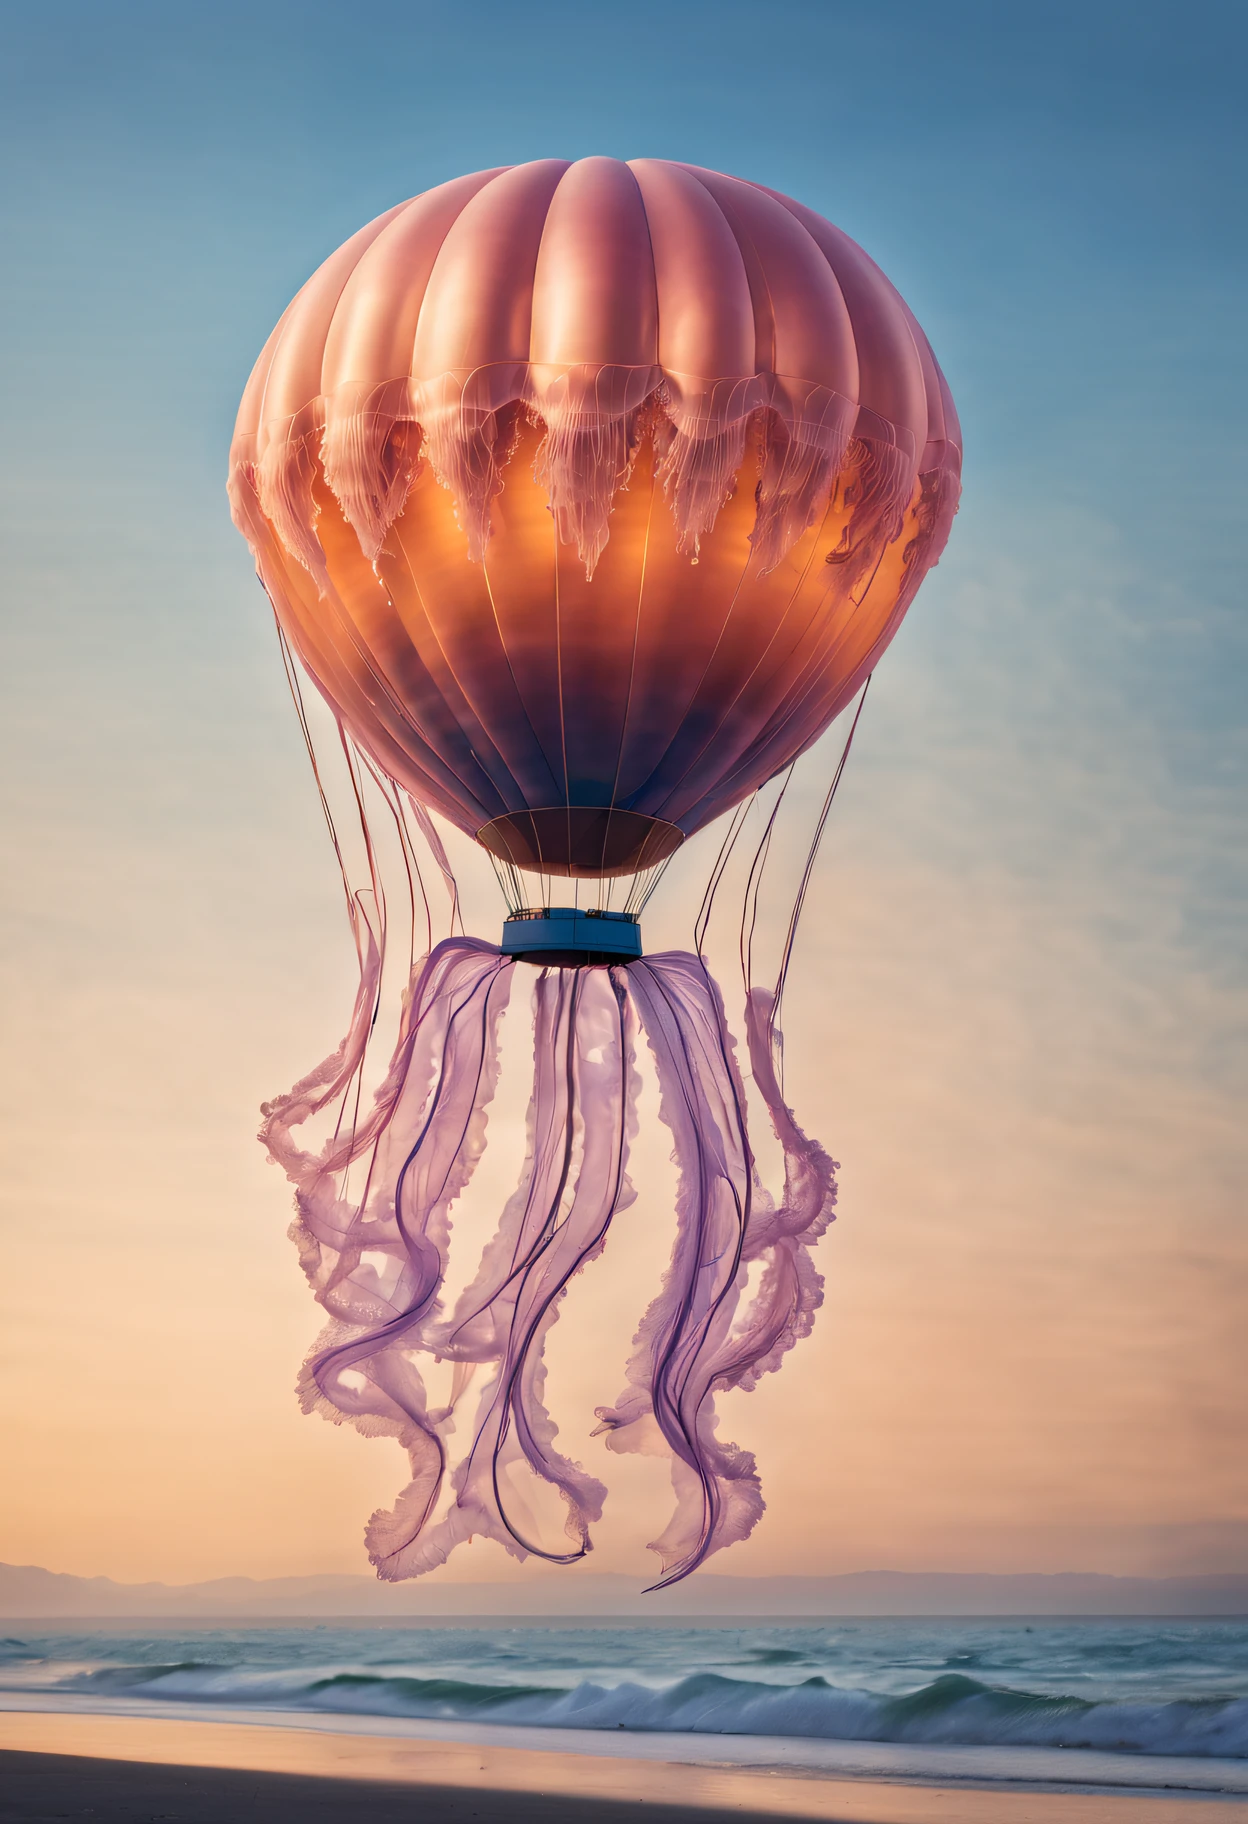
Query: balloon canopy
{"points": [[589, 493]]}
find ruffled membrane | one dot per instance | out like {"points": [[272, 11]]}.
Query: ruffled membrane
{"points": [[377, 1263], [370, 445]]}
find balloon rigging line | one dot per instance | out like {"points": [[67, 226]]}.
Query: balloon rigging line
{"points": [[413, 862], [379, 902], [427, 828], [508, 879], [701, 923], [370, 852], [355, 909], [292, 680], [645, 886], [393, 803], [753, 884], [799, 902]]}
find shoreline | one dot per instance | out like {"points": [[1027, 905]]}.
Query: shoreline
{"points": [[543, 1620], [1011, 1767], [348, 1764]]}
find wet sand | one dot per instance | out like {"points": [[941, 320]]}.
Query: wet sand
{"points": [[110, 1769]]}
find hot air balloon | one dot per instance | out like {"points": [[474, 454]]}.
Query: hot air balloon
{"points": [[587, 495]]}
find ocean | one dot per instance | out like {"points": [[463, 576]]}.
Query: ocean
{"points": [[919, 1698]]}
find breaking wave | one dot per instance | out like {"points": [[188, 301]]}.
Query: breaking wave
{"points": [[954, 1708]]}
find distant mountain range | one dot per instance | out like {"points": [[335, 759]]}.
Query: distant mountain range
{"points": [[27, 1592]]}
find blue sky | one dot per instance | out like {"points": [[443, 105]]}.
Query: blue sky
{"points": [[1030, 938]]}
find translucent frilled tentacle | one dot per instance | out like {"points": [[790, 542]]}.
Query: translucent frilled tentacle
{"points": [[696, 1339], [740, 1290], [573, 1183], [781, 1234], [376, 1259]]}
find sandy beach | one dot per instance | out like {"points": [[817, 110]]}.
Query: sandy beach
{"points": [[112, 1768]]}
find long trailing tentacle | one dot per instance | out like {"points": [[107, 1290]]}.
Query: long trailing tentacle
{"points": [[781, 1234], [694, 1340], [376, 1261], [581, 1119], [673, 1371]]}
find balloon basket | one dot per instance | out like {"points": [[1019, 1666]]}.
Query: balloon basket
{"points": [[562, 936]]}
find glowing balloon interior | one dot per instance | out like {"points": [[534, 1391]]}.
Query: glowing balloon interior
{"points": [[588, 494]]}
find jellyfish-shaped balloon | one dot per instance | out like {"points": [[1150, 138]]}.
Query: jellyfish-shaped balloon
{"points": [[587, 495]]}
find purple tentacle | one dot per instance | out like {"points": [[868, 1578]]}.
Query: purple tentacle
{"points": [[376, 1262], [683, 1334], [692, 1341], [791, 1290], [377, 1258], [574, 1181]]}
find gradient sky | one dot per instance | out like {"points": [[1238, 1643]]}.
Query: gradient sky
{"points": [[1021, 1017]]}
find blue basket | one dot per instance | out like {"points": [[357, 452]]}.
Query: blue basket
{"points": [[562, 935]]}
